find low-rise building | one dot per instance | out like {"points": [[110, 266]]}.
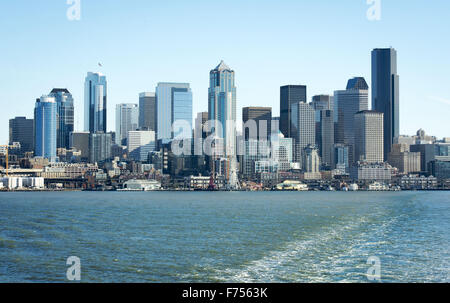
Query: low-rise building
{"points": [[12, 183], [141, 185], [197, 182], [364, 171], [418, 182]]}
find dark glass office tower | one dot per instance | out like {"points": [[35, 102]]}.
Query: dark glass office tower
{"points": [[147, 111], [385, 93], [289, 95], [65, 118], [258, 114], [21, 130]]}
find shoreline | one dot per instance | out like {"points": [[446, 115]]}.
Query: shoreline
{"points": [[175, 190]]}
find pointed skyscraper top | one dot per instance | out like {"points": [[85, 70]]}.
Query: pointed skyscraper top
{"points": [[222, 66]]}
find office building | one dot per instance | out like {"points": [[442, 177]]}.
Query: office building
{"points": [[100, 147], [21, 130], [262, 116], [346, 104], [325, 136], [406, 161], [222, 105], [369, 136], [289, 95], [45, 115], [147, 111], [174, 108], [323, 102], [65, 116], [140, 144], [440, 169], [363, 171], [303, 128], [80, 142], [95, 102], [385, 93], [311, 160], [127, 119], [341, 161]]}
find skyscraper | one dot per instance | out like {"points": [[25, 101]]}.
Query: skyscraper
{"points": [[347, 103], [65, 118], [95, 101], [100, 147], [311, 160], [222, 105], [174, 105], [322, 102], [263, 118], [127, 119], [45, 114], [326, 136], [385, 93], [80, 142], [140, 144], [340, 159], [369, 136], [21, 130], [289, 95], [303, 127], [147, 111]]}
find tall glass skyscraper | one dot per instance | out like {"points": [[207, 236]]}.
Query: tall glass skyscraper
{"points": [[147, 111], [65, 116], [289, 95], [45, 114], [222, 104], [385, 93], [174, 103], [127, 119], [95, 98]]}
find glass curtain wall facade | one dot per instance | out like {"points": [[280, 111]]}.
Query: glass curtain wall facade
{"points": [[385, 93], [45, 114], [95, 101], [222, 104], [65, 118], [174, 101]]}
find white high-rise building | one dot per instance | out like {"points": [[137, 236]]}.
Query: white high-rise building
{"points": [[303, 127], [140, 144], [369, 134], [346, 104], [127, 119]]}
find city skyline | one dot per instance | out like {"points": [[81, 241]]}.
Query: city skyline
{"points": [[420, 95]]}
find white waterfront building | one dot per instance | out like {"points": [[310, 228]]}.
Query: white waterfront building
{"points": [[141, 185]]}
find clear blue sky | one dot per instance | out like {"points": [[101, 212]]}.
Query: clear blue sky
{"points": [[320, 43]]}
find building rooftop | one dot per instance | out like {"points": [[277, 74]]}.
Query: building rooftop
{"points": [[222, 66]]}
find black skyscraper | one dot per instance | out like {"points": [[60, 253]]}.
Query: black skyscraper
{"points": [[258, 114], [385, 93], [147, 111], [21, 130], [289, 95]]}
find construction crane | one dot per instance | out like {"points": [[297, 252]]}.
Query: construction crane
{"points": [[7, 157]]}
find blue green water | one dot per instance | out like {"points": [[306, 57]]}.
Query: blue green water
{"points": [[225, 237]]}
